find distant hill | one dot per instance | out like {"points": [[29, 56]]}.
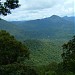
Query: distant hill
{"points": [[11, 28], [72, 18], [53, 27], [49, 28], [4, 25]]}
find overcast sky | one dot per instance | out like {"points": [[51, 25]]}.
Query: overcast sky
{"points": [[36, 9]]}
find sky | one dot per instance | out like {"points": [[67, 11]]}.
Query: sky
{"points": [[38, 9]]}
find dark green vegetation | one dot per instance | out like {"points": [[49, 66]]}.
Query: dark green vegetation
{"points": [[69, 55], [67, 66], [12, 56], [44, 39], [44, 52], [10, 49], [7, 5]]}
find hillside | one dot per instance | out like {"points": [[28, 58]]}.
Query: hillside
{"points": [[41, 51], [11, 28], [53, 27], [72, 18], [43, 37], [44, 51]]}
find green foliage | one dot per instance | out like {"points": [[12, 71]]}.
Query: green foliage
{"points": [[7, 5], [17, 69], [43, 52], [70, 73], [11, 49], [69, 55], [60, 70], [52, 66], [48, 69], [12, 56]]}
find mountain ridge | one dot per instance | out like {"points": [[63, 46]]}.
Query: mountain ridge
{"points": [[51, 26], [46, 18], [54, 27]]}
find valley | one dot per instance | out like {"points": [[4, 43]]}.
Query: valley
{"points": [[43, 37]]}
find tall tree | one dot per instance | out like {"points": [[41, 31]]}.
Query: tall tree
{"points": [[11, 50], [12, 56], [6, 6], [69, 55]]}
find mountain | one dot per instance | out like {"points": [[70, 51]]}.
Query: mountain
{"points": [[53, 27], [11, 28], [4, 25], [72, 18], [50, 33]]}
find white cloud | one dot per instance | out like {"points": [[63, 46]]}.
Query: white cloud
{"points": [[34, 9]]}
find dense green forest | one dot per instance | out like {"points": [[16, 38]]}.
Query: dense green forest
{"points": [[44, 51], [31, 57], [40, 51], [12, 56], [36, 47]]}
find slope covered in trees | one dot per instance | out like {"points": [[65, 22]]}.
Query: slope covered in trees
{"points": [[10, 49], [54, 27], [11, 28], [69, 55], [12, 55], [43, 51]]}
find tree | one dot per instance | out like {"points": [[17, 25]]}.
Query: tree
{"points": [[17, 69], [69, 55], [7, 5], [11, 50]]}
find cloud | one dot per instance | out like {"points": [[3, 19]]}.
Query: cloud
{"points": [[35, 9], [39, 4]]}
